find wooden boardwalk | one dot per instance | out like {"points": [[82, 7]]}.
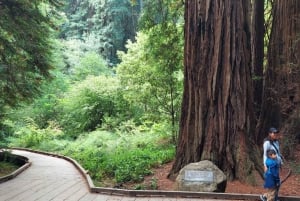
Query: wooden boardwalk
{"points": [[51, 178]]}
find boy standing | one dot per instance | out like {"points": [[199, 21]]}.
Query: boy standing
{"points": [[272, 180]]}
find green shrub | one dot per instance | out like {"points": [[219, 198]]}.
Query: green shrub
{"points": [[120, 157], [90, 150], [32, 136], [54, 145], [133, 163], [90, 64], [88, 102]]}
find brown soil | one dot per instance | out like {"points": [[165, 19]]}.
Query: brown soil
{"points": [[289, 188]]}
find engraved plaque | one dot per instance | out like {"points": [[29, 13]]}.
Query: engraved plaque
{"points": [[198, 176]]}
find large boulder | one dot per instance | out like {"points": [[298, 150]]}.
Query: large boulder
{"points": [[203, 176]]}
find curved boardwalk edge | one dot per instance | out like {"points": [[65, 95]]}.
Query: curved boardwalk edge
{"points": [[148, 193], [15, 173]]}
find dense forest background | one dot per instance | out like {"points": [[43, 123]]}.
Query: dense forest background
{"points": [[102, 81]]}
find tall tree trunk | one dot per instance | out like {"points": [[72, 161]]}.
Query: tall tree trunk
{"points": [[217, 112], [257, 54], [281, 99]]}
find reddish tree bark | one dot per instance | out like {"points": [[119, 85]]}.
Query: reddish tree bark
{"points": [[281, 100], [217, 109]]}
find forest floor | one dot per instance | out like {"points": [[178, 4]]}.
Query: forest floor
{"points": [[7, 168], [289, 188]]}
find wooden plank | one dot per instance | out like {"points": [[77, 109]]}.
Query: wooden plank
{"points": [[68, 193], [16, 190], [77, 195], [52, 191]]}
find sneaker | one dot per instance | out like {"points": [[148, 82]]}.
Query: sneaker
{"points": [[263, 198]]}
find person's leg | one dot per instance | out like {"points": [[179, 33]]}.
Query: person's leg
{"points": [[276, 193], [263, 197], [271, 194]]}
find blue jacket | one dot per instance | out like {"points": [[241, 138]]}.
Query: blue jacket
{"points": [[272, 179]]}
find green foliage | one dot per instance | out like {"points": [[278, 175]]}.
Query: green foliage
{"points": [[42, 112], [25, 47], [44, 108], [139, 187], [160, 12], [153, 183], [134, 164], [2, 139], [122, 158], [110, 23], [91, 64], [88, 102], [119, 156], [152, 76], [77, 53], [81, 59], [32, 136], [90, 151], [72, 50], [151, 68], [6, 130]]}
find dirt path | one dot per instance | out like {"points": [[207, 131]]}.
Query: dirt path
{"points": [[290, 188]]}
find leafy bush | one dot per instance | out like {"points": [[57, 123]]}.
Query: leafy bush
{"points": [[120, 157], [90, 150], [153, 77], [32, 136], [54, 145], [132, 165], [88, 102], [43, 109], [91, 64], [6, 130]]}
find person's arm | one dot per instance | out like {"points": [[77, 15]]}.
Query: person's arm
{"points": [[265, 148]]}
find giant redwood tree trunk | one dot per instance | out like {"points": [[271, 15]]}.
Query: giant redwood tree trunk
{"points": [[217, 111], [281, 105]]}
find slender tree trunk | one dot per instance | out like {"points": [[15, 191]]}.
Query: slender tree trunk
{"points": [[217, 111], [282, 80]]}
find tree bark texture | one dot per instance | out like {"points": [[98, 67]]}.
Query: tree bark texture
{"points": [[217, 108], [281, 99], [257, 33]]}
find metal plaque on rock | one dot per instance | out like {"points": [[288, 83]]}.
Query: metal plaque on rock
{"points": [[198, 176]]}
